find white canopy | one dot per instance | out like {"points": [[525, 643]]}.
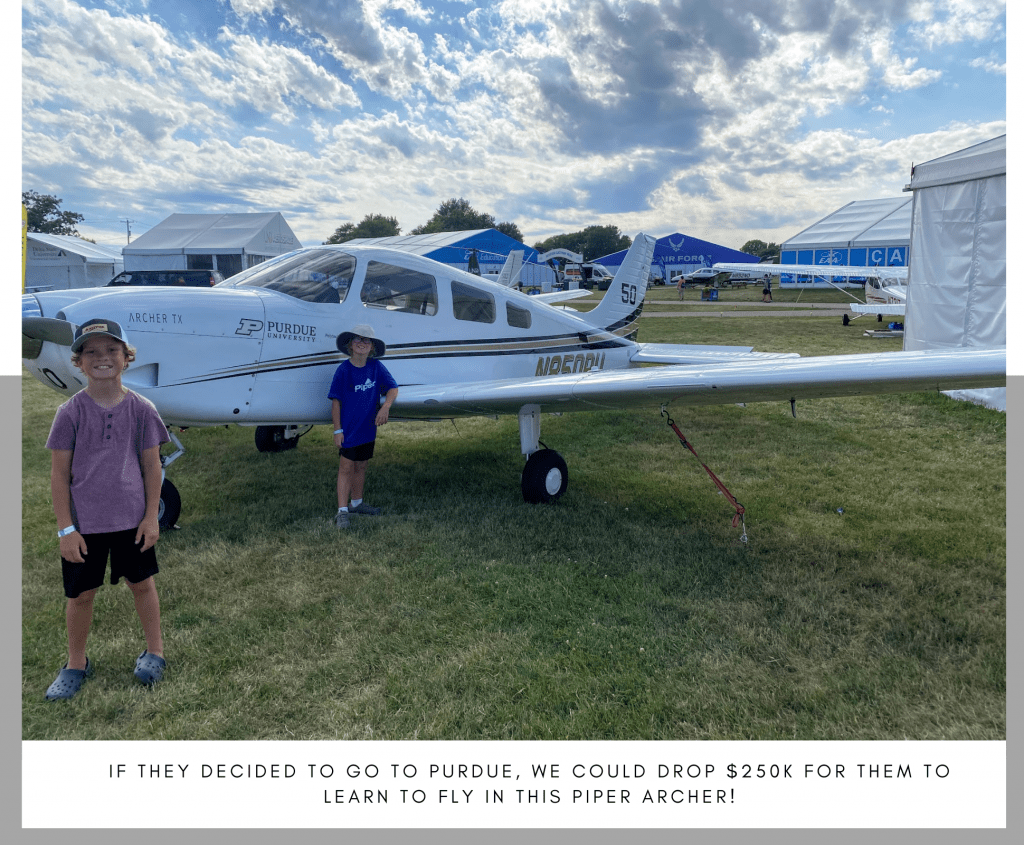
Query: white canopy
{"points": [[861, 223], [251, 237], [957, 282], [61, 262]]}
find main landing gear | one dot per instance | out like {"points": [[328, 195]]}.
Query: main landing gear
{"points": [[279, 438], [545, 476], [170, 499]]}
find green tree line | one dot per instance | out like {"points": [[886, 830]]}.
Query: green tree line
{"points": [[453, 215]]}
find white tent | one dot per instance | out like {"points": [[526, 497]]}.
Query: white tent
{"points": [[956, 295], [60, 262], [229, 243], [864, 233]]}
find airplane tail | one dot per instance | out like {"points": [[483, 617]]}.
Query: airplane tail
{"points": [[510, 271], [624, 299]]}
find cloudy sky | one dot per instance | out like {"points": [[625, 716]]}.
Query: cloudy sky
{"points": [[723, 119]]}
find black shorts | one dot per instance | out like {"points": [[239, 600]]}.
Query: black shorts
{"points": [[125, 561], [362, 452]]}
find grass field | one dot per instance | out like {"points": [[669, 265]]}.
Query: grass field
{"points": [[869, 602]]}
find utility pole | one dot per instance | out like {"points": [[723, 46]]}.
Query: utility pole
{"points": [[128, 226]]}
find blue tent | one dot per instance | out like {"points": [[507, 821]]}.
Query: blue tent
{"points": [[490, 246], [675, 254]]}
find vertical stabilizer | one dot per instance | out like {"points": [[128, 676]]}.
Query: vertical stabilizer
{"points": [[624, 299], [509, 274]]}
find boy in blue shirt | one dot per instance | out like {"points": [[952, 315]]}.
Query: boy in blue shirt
{"points": [[355, 395]]}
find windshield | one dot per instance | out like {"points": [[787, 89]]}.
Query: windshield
{"points": [[316, 275]]}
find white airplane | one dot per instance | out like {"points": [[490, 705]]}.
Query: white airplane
{"points": [[885, 288], [259, 349]]}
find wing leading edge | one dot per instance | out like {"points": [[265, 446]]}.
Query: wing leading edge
{"points": [[714, 384]]}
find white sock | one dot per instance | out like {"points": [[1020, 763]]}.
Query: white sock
{"points": [[356, 503], [342, 510]]}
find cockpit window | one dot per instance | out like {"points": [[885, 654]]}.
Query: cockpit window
{"points": [[322, 275], [399, 289], [472, 304]]}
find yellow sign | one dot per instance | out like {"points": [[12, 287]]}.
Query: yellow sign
{"points": [[24, 243]]}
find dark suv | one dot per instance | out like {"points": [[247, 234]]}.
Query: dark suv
{"points": [[168, 278]]}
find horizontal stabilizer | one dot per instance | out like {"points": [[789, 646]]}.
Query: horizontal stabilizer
{"points": [[561, 295]]}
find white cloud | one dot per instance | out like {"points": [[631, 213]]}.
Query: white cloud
{"points": [[954, 21], [990, 65], [554, 113]]}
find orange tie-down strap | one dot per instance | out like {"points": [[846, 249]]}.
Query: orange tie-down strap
{"points": [[740, 510]]}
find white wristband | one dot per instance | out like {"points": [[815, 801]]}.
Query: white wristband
{"points": [[339, 431], [71, 529]]}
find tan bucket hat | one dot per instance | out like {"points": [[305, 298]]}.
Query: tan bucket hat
{"points": [[362, 330]]}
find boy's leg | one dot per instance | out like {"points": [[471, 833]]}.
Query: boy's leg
{"points": [[147, 606], [358, 480], [79, 620], [346, 470]]}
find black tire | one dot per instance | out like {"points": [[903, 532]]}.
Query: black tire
{"points": [[270, 438], [545, 477], [170, 505]]}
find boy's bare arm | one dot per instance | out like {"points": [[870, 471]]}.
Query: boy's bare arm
{"points": [[389, 400], [152, 479], [339, 438], [72, 546]]}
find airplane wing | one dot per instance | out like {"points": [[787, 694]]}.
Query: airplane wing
{"points": [[887, 310], [815, 270], [561, 295], [712, 384]]}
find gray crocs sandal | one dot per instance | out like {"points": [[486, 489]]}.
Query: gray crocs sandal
{"points": [[149, 668], [68, 682]]}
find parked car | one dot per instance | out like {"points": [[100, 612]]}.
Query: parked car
{"points": [[588, 275], [168, 278], [702, 275]]}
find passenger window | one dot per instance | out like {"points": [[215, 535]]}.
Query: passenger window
{"points": [[472, 304], [399, 289], [518, 318]]}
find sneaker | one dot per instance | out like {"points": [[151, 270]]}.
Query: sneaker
{"points": [[341, 520], [365, 509], [149, 668]]}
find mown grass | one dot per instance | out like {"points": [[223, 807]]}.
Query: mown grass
{"points": [[628, 610]]}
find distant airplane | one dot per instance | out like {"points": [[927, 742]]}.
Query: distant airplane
{"points": [[885, 288], [259, 349]]}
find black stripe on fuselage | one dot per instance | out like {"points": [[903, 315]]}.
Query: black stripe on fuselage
{"points": [[407, 351]]}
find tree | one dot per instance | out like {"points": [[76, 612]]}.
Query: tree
{"points": [[45, 216], [455, 215], [510, 229], [761, 249], [592, 242], [371, 226]]}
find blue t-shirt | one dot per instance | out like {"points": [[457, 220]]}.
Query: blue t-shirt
{"points": [[359, 390]]}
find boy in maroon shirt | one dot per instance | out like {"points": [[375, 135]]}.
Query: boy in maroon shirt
{"points": [[105, 480]]}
